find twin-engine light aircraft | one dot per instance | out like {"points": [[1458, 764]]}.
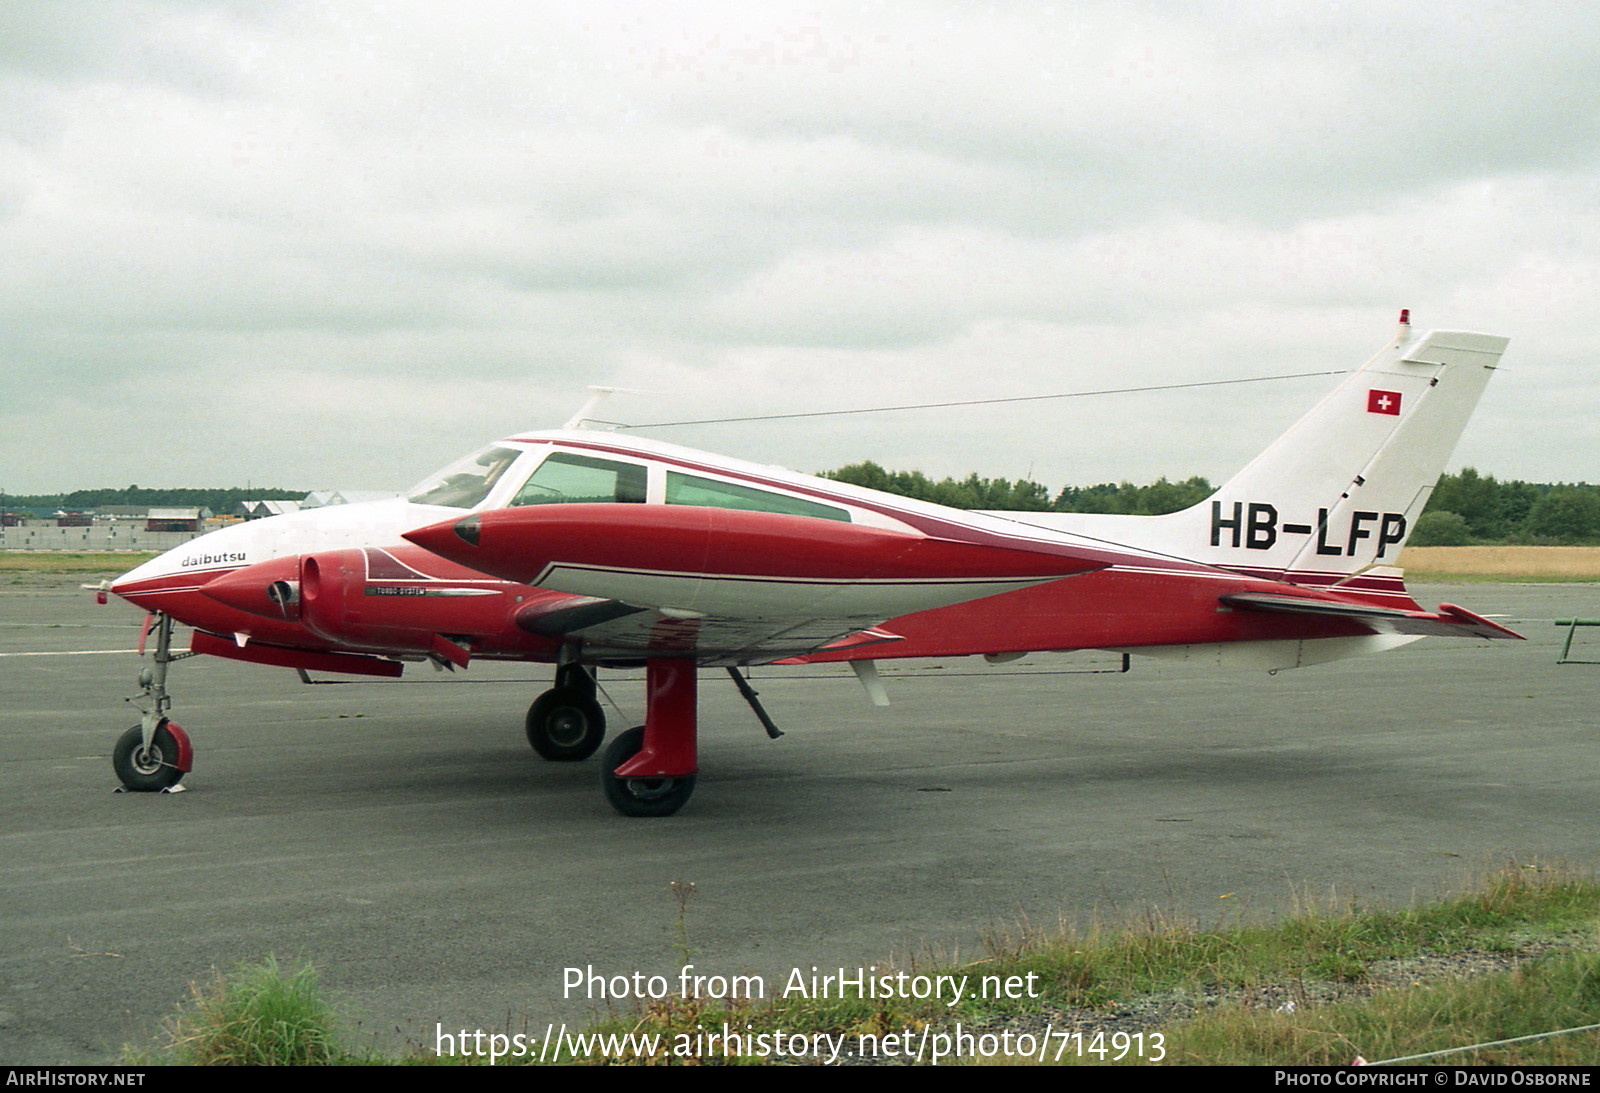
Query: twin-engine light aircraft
{"points": [[587, 550]]}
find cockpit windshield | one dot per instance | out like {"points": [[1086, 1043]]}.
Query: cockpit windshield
{"points": [[467, 481]]}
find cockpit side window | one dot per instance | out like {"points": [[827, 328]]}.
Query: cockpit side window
{"points": [[688, 489], [467, 481], [566, 478]]}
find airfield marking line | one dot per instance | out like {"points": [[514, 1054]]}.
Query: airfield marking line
{"points": [[68, 653]]}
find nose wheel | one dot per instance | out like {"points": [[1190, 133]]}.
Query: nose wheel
{"points": [[155, 754], [150, 768]]}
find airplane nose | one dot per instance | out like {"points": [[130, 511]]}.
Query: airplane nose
{"points": [[154, 590], [145, 598]]}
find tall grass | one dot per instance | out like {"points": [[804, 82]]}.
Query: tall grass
{"points": [[18, 561], [260, 1015], [1330, 941], [1550, 995], [263, 1015]]}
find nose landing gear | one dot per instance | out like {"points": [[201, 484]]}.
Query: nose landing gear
{"points": [[155, 754]]}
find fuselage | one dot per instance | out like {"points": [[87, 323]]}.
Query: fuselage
{"points": [[343, 579]]}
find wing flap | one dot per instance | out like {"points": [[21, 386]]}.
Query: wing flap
{"points": [[1450, 620]]}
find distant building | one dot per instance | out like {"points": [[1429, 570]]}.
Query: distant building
{"points": [[319, 498], [259, 510], [176, 519], [111, 514]]}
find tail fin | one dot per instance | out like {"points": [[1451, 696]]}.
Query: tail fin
{"points": [[1337, 495], [1339, 492]]}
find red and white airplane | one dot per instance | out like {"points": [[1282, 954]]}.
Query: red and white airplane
{"points": [[588, 550]]}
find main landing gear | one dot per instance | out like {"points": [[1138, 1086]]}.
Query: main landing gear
{"points": [[155, 754], [646, 771], [566, 724], [650, 770]]}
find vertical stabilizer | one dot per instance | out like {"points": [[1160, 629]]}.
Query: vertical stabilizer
{"points": [[1338, 493], [1335, 498]]}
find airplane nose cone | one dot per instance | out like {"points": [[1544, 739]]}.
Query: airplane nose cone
{"points": [[152, 588], [135, 593]]}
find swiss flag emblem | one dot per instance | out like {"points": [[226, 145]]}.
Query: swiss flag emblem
{"points": [[1383, 402]]}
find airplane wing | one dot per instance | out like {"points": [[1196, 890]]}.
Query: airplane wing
{"points": [[1450, 620], [611, 628], [728, 586]]}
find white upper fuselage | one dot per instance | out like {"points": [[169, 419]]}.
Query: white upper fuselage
{"points": [[513, 465]]}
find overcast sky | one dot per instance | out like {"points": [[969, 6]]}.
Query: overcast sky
{"points": [[336, 244]]}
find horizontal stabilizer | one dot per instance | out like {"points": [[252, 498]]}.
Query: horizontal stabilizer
{"points": [[1451, 620]]}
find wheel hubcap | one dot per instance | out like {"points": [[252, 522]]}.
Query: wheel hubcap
{"points": [[147, 760], [650, 789], [567, 727]]}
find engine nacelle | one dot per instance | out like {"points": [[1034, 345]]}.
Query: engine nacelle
{"points": [[370, 600]]}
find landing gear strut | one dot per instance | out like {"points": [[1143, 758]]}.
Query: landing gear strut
{"points": [[155, 754], [650, 770], [566, 724]]}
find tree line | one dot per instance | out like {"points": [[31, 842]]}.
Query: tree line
{"points": [[217, 500], [1469, 508], [1023, 495], [1466, 509]]}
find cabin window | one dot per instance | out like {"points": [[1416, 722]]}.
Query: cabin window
{"points": [[688, 489], [567, 479]]}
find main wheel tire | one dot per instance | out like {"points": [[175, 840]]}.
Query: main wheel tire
{"points": [[146, 770], [640, 796], [565, 725]]}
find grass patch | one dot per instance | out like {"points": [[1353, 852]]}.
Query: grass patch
{"points": [[260, 1015], [1337, 943], [1517, 910], [1553, 994], [43, 561], [1504, 563], [1544, 916]]}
